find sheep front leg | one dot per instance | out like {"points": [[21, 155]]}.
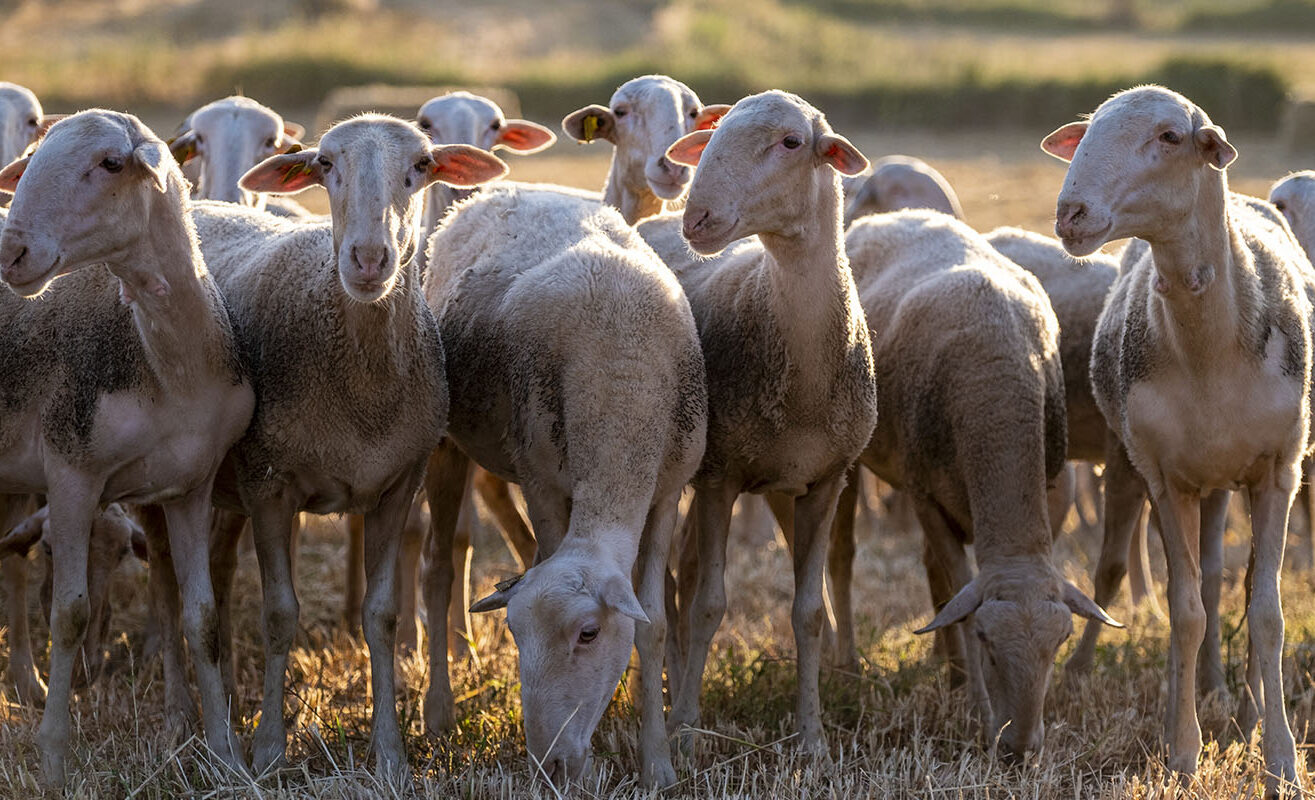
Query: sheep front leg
{"points": [[23, 674], [72, 505], [273, 524], [814, 514], [225, 533], [188, 521], [383, 537], [166, 619], [354, 592], [650, 639], [1270, 507], [1214, 519], [408, 576], [445, 484], [707, 606], [1180, 528]]}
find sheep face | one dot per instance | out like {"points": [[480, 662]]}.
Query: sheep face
{"points": [[374, 168], [231, 136], [465, 118], [643, 118], [574, 625], [83, 197], [1138, 168], [1294, 196], [21, 120], [765, 169]]}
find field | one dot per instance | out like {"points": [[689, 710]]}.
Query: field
{"points": [[894, 727]]}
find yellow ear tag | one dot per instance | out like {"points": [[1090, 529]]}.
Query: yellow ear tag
{"points": [[590, 127]]}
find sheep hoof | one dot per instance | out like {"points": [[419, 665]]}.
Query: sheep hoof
{"points": [[440, 718], [659, 773], [1281, 781]]}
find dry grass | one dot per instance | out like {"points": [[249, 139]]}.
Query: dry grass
{"points": [[895, 730]]}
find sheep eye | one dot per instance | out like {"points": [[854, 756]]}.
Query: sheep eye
{"points": [[33, 121], [587, 635], [424, 164], [325, 164], [497, 124], [1280, 205], [620, 112], [269, 143], [424, 124], [112, 164], [792, 142], [1169, 137], [693, 113]]}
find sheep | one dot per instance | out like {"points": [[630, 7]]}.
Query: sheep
{"points": [[1209, 318], [122, 383], [643, 118], [347, 365], [114, 534], [898, 182], [221, 140], [791, 388], [967, 353], [22, 122], [575, 370]]}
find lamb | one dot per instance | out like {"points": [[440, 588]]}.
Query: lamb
{"points": [[898, 182], [114, 534], [575, 370], [791, 386], [348, 368], [1209, 318], [123, 382], [221, 140], [22, 122], [967, 346], [644, 117]]}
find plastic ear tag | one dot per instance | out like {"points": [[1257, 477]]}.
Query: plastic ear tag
{"points": [[590, 128], [296, 148]]}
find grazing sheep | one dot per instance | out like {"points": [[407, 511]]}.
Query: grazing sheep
{"points": [[348, 369], [898, 182], [1201, 363], [575, 370], [791, 390], [123, 382], [114, 534], [644, 117], [968, 359]]}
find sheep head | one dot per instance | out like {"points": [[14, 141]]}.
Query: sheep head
{"points": [[231, 136]]}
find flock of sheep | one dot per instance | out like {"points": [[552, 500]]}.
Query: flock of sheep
{"points": [[727, 315]]}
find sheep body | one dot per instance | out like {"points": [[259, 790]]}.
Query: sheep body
{"points": [[899, 182]]}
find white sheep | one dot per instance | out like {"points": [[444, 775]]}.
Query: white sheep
{"points": [[22, 122], [643, 118], [791, 389], [220, 141], [575, 370], [1201, 363], [346, 361], [123, 382], [968, 362], [897, 182]]}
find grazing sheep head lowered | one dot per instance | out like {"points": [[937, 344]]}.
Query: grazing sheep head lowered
{"points": [[374, 168]]}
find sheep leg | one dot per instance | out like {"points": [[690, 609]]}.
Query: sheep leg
{"points": [[1253, 694], [1180, 530], [274, 524], [1141, 584], [680, 593], [23, 674], [814, 514], [1270, 507], [707, 605], [188, 522], [445, 484], [783, 511], [354, 593], [650, 640], [408, 577], [383, 537], [840, 567], [458, 611], [1060, 498], [1214, 518], [1125, 498], [225, 533], [948, 571], [496, 494], [166, 605], [73, 501]]}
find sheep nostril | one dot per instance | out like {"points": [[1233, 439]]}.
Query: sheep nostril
{"points": [[21, 254]]}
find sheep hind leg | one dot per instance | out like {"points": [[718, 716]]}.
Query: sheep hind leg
{"points": [[783, 511], [165, 625], [948, 571], [274, 524], [23, 674], [354, 592], [408, 577], [458, 614], [840, 569], [814, 516], [1214, 519], [225, 533], [445, 485], [650, 640]]}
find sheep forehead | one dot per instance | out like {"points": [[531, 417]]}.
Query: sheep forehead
{"points": [[773, 111], [95, 130], [1147, 106], [1297, 186], [650, 88], [375, 133], [460, 103], [18, 99], [222, 112]]}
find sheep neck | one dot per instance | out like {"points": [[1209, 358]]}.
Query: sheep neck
{"points": [[177, 309], [1197, 292], [634, 202]]}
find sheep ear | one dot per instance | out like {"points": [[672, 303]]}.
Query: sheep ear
{"points": [[709, 116], [20, 539], [619, 595], [688, 149], [589, 123], [154, 157], [524, 136], [183, 147], [284, 174], [963, 604], [10, 174], [290, 144], [505, 590], [46, 121], [292, 130], [1214, 148], [1063, 142], [840, 153], [1084, 606], [463, 165]]}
